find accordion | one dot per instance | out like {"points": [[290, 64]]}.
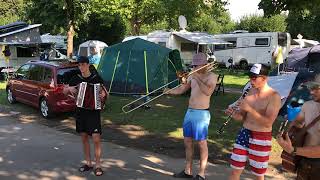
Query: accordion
{"points": [[89, 96]]}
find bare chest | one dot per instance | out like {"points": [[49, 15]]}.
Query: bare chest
{"points": [[260, 104]]}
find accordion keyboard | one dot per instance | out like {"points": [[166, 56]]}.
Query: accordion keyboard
{"points": [[97, 89]]}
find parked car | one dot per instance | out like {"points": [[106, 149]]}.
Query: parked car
{"points": [[41, 84]]}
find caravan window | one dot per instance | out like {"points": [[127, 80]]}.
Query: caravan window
{"points": [[162, 44], [233, 45], [262, 41], [188, 47], [218, 47]]}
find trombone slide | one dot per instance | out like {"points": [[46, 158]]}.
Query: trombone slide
{"points": [[124, 108]]}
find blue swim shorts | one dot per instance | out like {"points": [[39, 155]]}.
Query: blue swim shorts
{"points": [[196, 123]]}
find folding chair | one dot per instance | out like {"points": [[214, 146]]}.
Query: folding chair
{"points": [[219, 84]]}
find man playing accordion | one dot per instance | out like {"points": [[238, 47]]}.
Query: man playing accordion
{"points": [[88, 121]]}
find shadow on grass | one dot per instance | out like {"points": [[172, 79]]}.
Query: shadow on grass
{"points": [[157, 129]]}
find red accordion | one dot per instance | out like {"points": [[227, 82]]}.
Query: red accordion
{"points": [[89, 96]]}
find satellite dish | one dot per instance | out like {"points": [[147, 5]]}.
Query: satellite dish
{"points": [[182, 22]]}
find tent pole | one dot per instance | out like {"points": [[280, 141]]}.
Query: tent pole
{"points": [[128, 68], [146, 71], [114, 71]]}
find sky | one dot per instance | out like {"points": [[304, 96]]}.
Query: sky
{"points": [[239, 8]]}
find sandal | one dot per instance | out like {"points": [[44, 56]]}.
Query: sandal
{"points": [[198, 177], [85, 168], [182, 174], [98, 172]]}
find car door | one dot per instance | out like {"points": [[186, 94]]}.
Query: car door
{"points": [[18, 81], [32, 85]]}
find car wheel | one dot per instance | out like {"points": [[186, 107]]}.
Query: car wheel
{"points": [[44, 108], [11, 99], [244, 65]]}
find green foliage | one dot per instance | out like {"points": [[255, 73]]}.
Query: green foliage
{"points": [[304, 22], [110, 29], [110, 20], [10, 11], [256, 23], [56, 16], [303, 18], [272, 7]]}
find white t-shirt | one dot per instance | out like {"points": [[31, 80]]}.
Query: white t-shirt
{"points": [[311, 110]]}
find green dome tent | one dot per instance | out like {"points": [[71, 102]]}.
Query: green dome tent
{"points": [[138, 66]]}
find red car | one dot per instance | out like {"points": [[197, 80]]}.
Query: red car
{"points": [[42, 84]]}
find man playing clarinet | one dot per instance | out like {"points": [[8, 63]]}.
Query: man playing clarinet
{"points": [[258, 110]]}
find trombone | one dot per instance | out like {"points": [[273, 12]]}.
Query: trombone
{"points": [[211, 65]]}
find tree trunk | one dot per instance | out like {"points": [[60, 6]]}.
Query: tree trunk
{"points": [[70, 35]]}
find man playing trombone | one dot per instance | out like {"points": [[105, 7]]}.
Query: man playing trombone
{"points": [[195, 126], [258, 110]]}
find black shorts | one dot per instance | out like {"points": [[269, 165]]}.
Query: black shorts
{"points": [[88, 121]]}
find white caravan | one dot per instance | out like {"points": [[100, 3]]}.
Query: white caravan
{"points": [[249, 48], [188, 43]]}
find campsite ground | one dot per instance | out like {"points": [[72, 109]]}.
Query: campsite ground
{"points": [[158, 129]]}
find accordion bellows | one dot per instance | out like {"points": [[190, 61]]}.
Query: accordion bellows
{"points": [[89, 96]]}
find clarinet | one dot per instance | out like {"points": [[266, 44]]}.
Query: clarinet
{"points": [[221, 129]]}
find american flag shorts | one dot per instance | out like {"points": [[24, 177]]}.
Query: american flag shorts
{"points": [[253, 146]]}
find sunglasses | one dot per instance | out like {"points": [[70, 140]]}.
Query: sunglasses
{"points": [[314, 87], [255, 77]]}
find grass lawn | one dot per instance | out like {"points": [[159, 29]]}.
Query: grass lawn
{"points": [[166, 114], [233, 79], [3, 94], [165, 117]]}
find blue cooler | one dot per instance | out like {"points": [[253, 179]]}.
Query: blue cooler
{"points": [[293, 112]]}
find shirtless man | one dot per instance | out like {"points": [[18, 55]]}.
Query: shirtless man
{"points": [[197, 118], [309, 166], [258, 110]]}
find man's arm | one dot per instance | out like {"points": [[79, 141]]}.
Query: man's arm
{"points": [[208, 87], [180, 90], [235, 113], [271, 112], [307, 151]]}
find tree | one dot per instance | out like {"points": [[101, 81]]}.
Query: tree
{"points": [[304, 22], [10, 11], [109, 29], [256, 23], [140, 12], [57, 15], [272, 7], [303, 17]]}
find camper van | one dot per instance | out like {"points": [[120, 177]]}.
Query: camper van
{"points": [[250, 48]]}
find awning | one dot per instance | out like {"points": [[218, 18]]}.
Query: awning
{"points": [[200, 38], [25, 43]]}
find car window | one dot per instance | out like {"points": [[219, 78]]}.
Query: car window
{"points": [[47, 75], [35, 73], [23, 72], [64, 75]]}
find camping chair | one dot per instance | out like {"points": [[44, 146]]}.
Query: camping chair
{"points": [[219, 84]]}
